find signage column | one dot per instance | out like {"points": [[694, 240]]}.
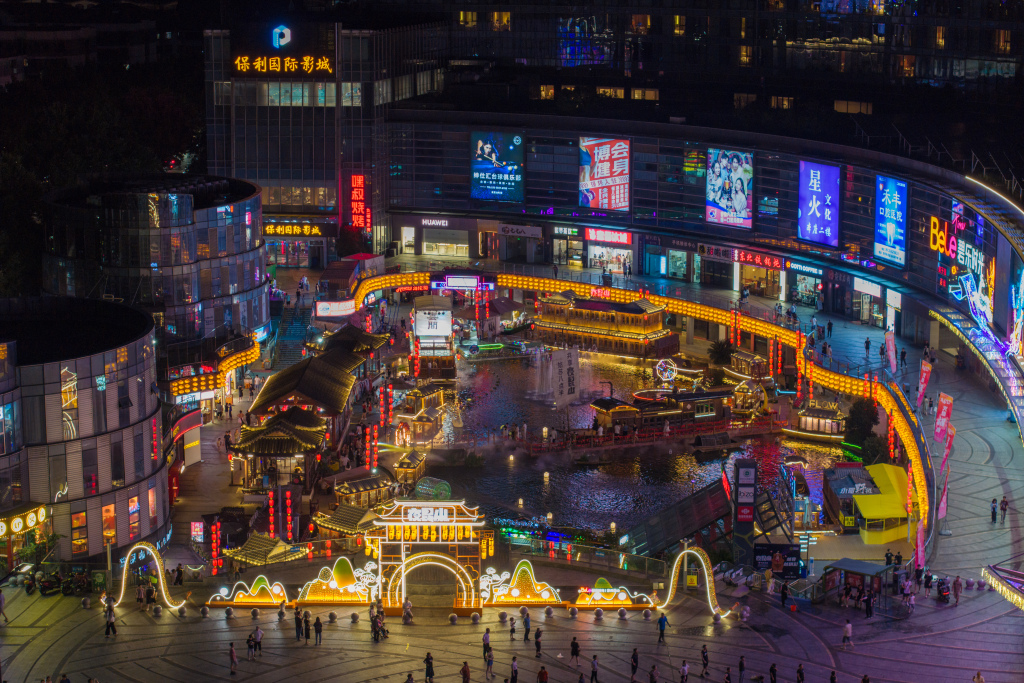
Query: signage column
{"points": [[744, 495]]}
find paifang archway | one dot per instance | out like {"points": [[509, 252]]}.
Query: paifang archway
{"points": [[467, 593]]}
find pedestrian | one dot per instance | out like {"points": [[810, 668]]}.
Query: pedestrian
{"points": [[593, 670], [318, 629], [515, 671], [111, 625], [428, 674], [298, 623], [844, 601], [911, 603], [958, 588], [634, 663], [978, 678], [899, 558], [847, 634], [888, 557], [869, 604], [652, 675], [784, 593], [3, 606], [918, 578], [928, 584], [728, 675], [833, 678], [542, 675], [800, 674], [662, 623], [903, 357], [1004, 505], [704, 659], [684, 672], [773, 673], [490, 663], [233, 657], [867, 347], [742, 668], [150, 596], [305, 628], [526, 627], [409, 678], [465, 672], [140, 597], [250, 648], [574, 651], [259, 640], [865, 679], [536, 640], [881, 353], [828, 328], [995, 506], [512, 628], [487, 642]]}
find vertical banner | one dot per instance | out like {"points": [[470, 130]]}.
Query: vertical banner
{"points": [[919, 551], [566, 370], [922, 381], [890, 349], [942, 417], [950, 435], [941, 513]]}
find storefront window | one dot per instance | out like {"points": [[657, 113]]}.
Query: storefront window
{"points": [[610, 258], [805, 290], [677, 264], [133, 518], [79, 534], [109, 525], [152, 506], [760, 281], [568, 252]]}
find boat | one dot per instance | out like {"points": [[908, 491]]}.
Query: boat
{"points": [[592, 460]]}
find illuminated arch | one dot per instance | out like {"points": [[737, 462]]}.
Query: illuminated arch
{"points": [[466, 583], [151, 549], [709, 579]]}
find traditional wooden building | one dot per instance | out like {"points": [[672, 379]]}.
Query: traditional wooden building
{"points": [[411, 467], [345, 522], [281, 450], [635, 329], [367, 492]]}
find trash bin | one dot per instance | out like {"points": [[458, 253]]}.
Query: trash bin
{"points": [[606, 279]]}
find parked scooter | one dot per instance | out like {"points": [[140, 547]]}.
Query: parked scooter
{"points": [[50, 583], [942, 590], [82, 583]]}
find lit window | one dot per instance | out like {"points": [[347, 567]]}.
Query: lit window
{"points": [[743, 27], [152, 506], [641, 23], [1002, 41], [500, 21], [467, 19], [618, 93], [704, 409], [782, 102], [133, 518], [940, 37], [680, 25], [742, 99], [852, 107], [109, 525], [746, 55], [79, 534], [905, 65], [547, 92], [645, 94], [570, 88]]}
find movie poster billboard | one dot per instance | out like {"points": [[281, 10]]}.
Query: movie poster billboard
{"points": [[782, 558], [891, 220], [497, 173], [818, 212], [729, 189], [604, 174]]}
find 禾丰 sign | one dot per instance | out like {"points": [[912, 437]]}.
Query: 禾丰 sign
{"points": [[891, 220]]}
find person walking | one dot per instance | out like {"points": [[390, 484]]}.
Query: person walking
{"points": [[828, 329], [542, 675], [428, 673], [704, 659], [318, 630], [773, 674], [928, 584], [250, 648], [684, 672], [465, 672], [111, 625], [593, 670], [958, 588], [490, 663], [305, 628], [487, 642], [536, 640], [742, 668], [652, 675], [574, 651], [800, 674], [298, 623], [995, 506], [847, 634], [728, 675], [1004, 505], [526, 627], [867, 348], [233, 658], [634, 664], [903, 357], [784, 593], [662, 623]]}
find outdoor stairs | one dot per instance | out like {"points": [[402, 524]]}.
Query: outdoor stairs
{"points": [[291, 336]]}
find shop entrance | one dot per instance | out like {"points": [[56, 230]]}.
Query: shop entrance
{"points": [[610, 258], [714, 273], [677, 264], [568, 252], [294, 253], [760, 281], [408, 240], [805, 290]]}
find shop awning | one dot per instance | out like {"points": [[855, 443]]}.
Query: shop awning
{"points": [[22, 518], [891, 499]]}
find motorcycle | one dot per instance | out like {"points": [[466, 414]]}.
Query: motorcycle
{"points": [[942, 590], [82, 583], [67, 587], [50, 583]]}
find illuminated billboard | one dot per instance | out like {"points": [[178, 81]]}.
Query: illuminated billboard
{"points": [[497, 174], [604, 174], [817, 216], [891, 220], [729, 188], [433, 323]]}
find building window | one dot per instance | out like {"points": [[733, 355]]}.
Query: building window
{"points": [[905, 65], [743, 28], [704, 409], [90, 472], [618, 93], [1002, 41], [645, 94], [152, 506], [641, 24], [140, 455], [124, 401], [852, 107], [940, 37], [680, 25], [117, 465], [133, 518], [467, 19], [109, 525], [79, 534], [741, 100], [746, 55], [69, 403], [782, 102], [500, 21], [547, 92], [99, 412]]}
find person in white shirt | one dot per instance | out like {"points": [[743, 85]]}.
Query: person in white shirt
{"points": [[487, 642], [259, 640], [684, 672], [847, 634], [593, 670]]}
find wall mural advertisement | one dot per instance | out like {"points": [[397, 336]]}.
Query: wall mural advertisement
{"points": [[818, 211], [497, 174], [730, 187], [891, 220], [966, 273], [604, 174]]}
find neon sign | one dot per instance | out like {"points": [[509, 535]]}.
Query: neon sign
{"points": [[282, 35], [264, 64], [275, 229], [611, 236], [357, 203], [600, 292]]}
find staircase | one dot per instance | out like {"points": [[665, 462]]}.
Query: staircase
{"points": [[291, 336]]}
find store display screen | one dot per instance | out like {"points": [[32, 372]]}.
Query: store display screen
{"points": [[730, 186], [604, 174], [497, 174], [891, 220], [818, 212], [433, 323]]}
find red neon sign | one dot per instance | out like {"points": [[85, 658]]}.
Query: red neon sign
{"points": [[754, 259], [612, 236], [358, 203]]}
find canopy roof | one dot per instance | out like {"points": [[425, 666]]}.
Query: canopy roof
{"points": [[324, 381], [262, 549], [284, 434], [347, 519], [354, 339], [891, 500], [381, 480], [857, 567], [637, 307]]}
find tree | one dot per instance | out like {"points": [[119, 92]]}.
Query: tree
{"points": [[721, 352], [860, 421], [714, 377], [876, 450]]}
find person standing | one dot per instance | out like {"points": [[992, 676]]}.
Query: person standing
{"points": [[833, 678], [574, 651], [490, 663], [1004, 505], [233, 658], [684, 672], [847, 634], [958, 588], [428, 674], [800, 674], [773, 674], [828, 329], [742, 668], [318, 629], [784, 593], [250, 648], [888, 557], [995, 506], [515, 671], [978, 678], [903, 357], [536, 640], [867, 347], [652, 675], [593, 670], [526, 627], [542, 675], [704, 659], [869, 604], [927, 584], [487, 642], [3, 606], [512, 628], [728, 675], [305, 628], [298, 623], [634, 664], [662, 623], [111, 625], [465, 672]]}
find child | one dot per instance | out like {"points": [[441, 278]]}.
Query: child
{"points": [[250, 646], [512, 628]]}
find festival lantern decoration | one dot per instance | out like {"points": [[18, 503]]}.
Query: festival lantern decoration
{"points": [[214, 546], [270, 507], [391, 403], [892, 438], [369, 447], [374, 446], [288, 511]]}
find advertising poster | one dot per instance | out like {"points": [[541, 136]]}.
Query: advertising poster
{"points": [[941, 513], [565, 365], [922, 382], [890, 350], [782, 558], [729, 190], [433, 323], [945, 409], [950, 435], [497, 173], [818, 212], [604, 174], [891, 220]]}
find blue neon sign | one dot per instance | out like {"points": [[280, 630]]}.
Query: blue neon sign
{"points": [[282, 35]]}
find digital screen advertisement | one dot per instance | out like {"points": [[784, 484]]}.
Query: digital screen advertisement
{"points": [[604, 174], [818, 211], [730, 186], [891, 220], [433, 323], [497, 174]]}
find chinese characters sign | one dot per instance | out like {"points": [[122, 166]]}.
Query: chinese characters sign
{"points": [[891, 220], [497, 167], [359, 203], [604, 174], [292, 230], [818, 212], [713, 253], [307, 64], [565, 365], [751, 258], [730, 182], [611, 236]]}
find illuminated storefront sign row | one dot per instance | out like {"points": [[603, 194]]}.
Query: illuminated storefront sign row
{"points": [[16, 522], [801, 268], [263, 64], [752, 258], [335, 309], [609, 236]]}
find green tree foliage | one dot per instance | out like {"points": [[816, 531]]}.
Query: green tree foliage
{"points": [[721, 352], [862, 418]]}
